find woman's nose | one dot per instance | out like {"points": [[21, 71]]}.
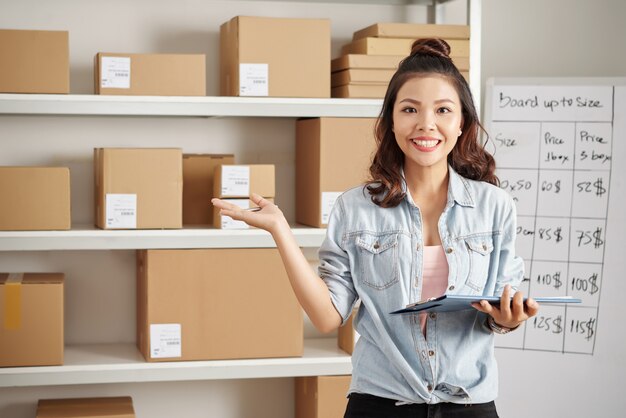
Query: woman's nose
{"points": [[425, 121]]}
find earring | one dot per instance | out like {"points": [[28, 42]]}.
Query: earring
{"points": [[460, 132]]}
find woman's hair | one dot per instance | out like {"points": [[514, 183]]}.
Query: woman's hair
{"points": [[468, 157]]}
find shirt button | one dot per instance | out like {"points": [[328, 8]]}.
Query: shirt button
{"points": [[376, 245], [431, 353], [429, 387], [416, 283], [450, 250], [433, 315], [417, 247], [451, 287]]}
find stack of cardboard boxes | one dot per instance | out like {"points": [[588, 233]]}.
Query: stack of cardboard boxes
{"points": [[370, 60]]}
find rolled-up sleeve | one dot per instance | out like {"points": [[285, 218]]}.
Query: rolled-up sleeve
{"points": [[334, 267], [510, 265]]}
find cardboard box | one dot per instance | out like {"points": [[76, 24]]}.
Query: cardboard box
{"points": [[346, 335], [360, 91], [381, 62], [362, 76], [110, 407], [364, 61], [150, 74], [31, 319], [332, 156], [198, 172], [34, 61], [413, 31], [399, 46], [321, 396], [35, 198], [238, 181], [226, 222], [212, 304], [138, 188], [275, 57]]}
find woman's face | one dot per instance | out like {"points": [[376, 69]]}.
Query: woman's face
{"points": [[427, 120]]}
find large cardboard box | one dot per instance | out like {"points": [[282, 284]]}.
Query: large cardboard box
{"points": [[413, 31], [198, 173], [399, 46], [35, 198], [211, 304], [238, 181], [34, 61], [275, 57], [109, 407], [31, 319], [150, 74], [138, 188], [332, 156], [321, 396], [360, 91]]}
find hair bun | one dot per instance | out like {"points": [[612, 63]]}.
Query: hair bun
{"points": [[431, 46]]}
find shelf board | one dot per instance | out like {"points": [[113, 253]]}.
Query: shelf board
{"points": [[210, 106], [122, 363], [90, 238]]}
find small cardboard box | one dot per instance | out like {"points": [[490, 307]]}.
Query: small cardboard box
{"points": [[360, 91], [31, 315], [382, 62], [399, 46], [211, 304], [138, 188], [110, 407], [275, 57], [361, 76], [346, 334], [238, 181], [226, 222], [150, 74], [364, 61], [198, 172], [332, 156], [413, 31], [321, 396], [35, 198], [34, 61]]}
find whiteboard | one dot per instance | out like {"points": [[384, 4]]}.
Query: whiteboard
{"points": [[559, 150]]}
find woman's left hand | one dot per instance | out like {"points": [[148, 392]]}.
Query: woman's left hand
{"points": [[512, 311]]}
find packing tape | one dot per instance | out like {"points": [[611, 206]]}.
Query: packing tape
{"points": [[13, 301]]}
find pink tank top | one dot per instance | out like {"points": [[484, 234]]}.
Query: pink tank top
{"points": [[434, 276]]}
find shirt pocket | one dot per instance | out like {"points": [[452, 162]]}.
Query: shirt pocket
{"points": [[378, 259], [479, 251]]}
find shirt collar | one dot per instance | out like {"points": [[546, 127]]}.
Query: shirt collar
{"points": [[458, 189]]}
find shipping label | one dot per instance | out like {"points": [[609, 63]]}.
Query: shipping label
{"points": [[165, 341], [254, 80], [121, 211], [328, 201], [236, 180], [115, 72]]}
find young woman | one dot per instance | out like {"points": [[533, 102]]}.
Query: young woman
{"points": [[431, 221]]}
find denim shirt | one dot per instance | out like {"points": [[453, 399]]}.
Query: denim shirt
{"points": [[374, 255]]}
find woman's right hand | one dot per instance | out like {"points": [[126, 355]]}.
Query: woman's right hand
{"points": [[269, 217]]}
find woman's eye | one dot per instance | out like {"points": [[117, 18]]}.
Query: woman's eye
{"points": [[443, 110], [409, 110]]}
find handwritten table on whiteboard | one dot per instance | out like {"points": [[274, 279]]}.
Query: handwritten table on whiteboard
{"points": [[553, 151]]}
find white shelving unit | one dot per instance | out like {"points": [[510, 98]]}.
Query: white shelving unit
{"points": [[91, 120], [122, 363], [93, 105]]}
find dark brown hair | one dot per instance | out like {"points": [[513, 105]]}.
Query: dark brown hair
{"points": [[468, 157]]}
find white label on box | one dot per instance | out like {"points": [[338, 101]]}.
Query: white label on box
{"points": [[236, 180], [328, 201], [230, 223], [165, 341], [254, 80], [115, 72], [121, 211]]}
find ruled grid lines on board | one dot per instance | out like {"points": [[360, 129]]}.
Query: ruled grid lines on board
{"points": [[558, 171]]}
